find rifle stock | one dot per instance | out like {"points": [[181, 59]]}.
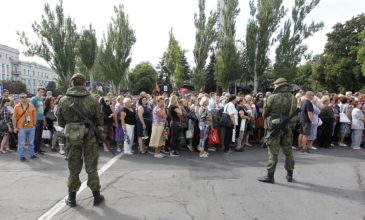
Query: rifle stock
{"points": [[91, 126]]}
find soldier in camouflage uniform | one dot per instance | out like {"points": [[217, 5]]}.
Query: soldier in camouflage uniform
{"points": [[280, 105], [78, 148]]}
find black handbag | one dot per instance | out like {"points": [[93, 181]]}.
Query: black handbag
{"points": [[192, 116], [50, 115], [225, 120]]}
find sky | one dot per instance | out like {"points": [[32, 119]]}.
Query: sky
{"points": [[152, 20]]}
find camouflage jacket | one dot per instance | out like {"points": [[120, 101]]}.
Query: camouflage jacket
{"points": [[280, 104], [85, 101]]}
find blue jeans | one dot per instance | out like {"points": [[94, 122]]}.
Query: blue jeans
{"points": [[26, 134]]}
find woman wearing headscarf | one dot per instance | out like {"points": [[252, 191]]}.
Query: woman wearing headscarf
{"points": [[108, 120]]}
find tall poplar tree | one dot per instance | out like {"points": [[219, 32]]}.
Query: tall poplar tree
{"points": [[205, 36], [87, 50], [291, 49], [115, 50]]}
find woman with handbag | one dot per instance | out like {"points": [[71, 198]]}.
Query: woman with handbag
{"points": [[144, 124], [128, 118], [50, 118], [175, 125], [5, 120], [158, 127], [243, 117], [119, 134], [230, 111]]}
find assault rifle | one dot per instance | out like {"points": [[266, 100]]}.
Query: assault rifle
{"points": [[279, 127], [93, 130]]}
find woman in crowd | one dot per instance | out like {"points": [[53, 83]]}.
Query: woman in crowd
{"points": [[50, 118], [144, 124], [158, 125], [5, 121], [175, 125], [108, 120], [231, 110], [345, 121], [243, 117], [357, 125], [119, 134], [250, 123], [203, 126], [192, 122], [58, 136], [328, 118], [184, 118], [128, 118], [314, 126]]}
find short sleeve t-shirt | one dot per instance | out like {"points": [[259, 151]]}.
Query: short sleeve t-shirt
{"points": [[306, 107], [38, 103], [231, 110], [157, 120]]}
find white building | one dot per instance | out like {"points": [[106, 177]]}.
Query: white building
{"points": [[34, 75], [30, 73], [9, 63]]}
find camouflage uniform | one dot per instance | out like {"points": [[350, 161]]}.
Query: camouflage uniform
{"points": [[276, 108], [82, 148]]}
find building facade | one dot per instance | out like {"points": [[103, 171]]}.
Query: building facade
{"points": [[9, 63], [30, 73], [34, 75]]}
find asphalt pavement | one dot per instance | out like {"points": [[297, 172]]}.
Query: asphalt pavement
{"points": [[329, 184]]}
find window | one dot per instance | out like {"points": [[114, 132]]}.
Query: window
{"points": [[3, 67], [25, 71], [34, 75], [7, 69]]}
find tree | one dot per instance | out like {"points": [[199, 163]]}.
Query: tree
{"points": [[210, 82], [291, 50], [228, 63], [172, 61], [142, 78], [205, 36], [51, 86], [15, 87], [338, 69], [361, 53], [115, 50], [87, 50], [58, 40], [265, 18]]}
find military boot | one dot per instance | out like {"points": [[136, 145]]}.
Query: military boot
{"points": [[71, 200], [98, 198], [267, 179], [289, 176]]}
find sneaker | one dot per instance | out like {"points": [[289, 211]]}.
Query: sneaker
{"points": [[23, 159], [190, 148], [174, 154], [342, 145], [119, 150], [62, 152], [165, 151], [34, 157], [128, 153], [356, 148], [313, 148], [159, 156], [213, 149]]}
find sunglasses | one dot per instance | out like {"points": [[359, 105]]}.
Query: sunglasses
{"points": [[107, 100], [23, 97]]}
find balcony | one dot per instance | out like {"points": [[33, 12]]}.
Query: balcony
{"points": [[15, 72]]}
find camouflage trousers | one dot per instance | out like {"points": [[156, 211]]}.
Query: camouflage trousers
{"points": [[76, 153], [284, 141]]}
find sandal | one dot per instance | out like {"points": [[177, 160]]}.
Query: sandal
{"points": [[204, 155], [3, 152], [143, 152]]}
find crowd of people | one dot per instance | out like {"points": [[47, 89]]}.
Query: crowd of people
{"points": [[169, 123]]}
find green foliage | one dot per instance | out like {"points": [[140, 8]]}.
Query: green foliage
{"points": [[114, 53], [304, 77], [228, 60], [210, 82], [338, 69], [361, 52], [266, 17], [58, 40], [15, 87], [291, 50], [52, 86], [205, 36], [142, 78], [174, 54]]}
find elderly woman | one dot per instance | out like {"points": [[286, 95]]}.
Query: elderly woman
{"points": [[128, 118], [328, 118], [314, 126], [119, 134], [243, 117], [5, 120], [158, 125], [357, 125], [108, 120], [204, 118], [231, 110]]}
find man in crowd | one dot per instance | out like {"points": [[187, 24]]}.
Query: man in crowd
{"points": [[38, 102], [78, 145], [279, 106], [24, 122]]}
